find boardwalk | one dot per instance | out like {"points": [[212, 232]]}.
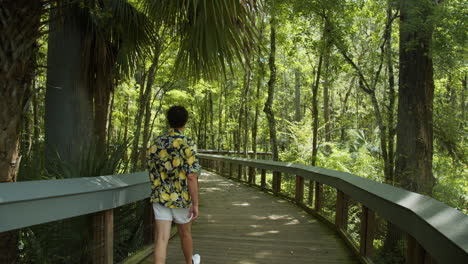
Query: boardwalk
{"points": [[241, 225]]}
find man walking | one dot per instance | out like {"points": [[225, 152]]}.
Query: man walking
{"points": [[173, 167]]}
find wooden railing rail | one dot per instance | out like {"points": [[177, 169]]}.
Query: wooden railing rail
{"points": [[436, 233], [24, 204], [231, 152]]}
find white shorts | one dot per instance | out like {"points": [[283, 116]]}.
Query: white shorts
{"points": [[178, 215]]}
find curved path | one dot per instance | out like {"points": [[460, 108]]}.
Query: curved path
{"points": [[242, 225]]}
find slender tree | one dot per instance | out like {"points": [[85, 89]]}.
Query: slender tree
{"points": [[268, 109]]}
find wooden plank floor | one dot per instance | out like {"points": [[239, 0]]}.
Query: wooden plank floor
{"points": [[241, 225]]}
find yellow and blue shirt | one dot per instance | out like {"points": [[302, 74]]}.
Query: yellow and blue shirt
{"points": [[170, 159]]}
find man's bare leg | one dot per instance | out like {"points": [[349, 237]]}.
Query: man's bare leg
{"points": [[163, 232], [186, 241]]}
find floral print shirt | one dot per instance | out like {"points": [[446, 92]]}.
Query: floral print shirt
{"points": [[170, 159]]}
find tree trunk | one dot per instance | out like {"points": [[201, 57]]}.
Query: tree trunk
{"points": [[389, 175], [68, 112], [344, 110], [326, 41], [205, 122], [102, 95], [153, 70], [315, 114], [110, 128], [10, 120], [212, 131], [26, 134], [220, 118], [246, 113], [35, 107], [143, 98], [257, 107], [415, 99], [260, 76], [297, 95], [20, 30], [126, 120], [268, 109], [146, 130], [463, 100]]}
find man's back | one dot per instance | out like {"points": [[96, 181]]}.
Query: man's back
{"points": [[171, 158]]}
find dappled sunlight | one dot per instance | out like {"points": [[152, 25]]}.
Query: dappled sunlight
{"points": [[411, 200], [227, 184], [241, 204], [293, 222], [211, 189], [279, 217], [262, 233], [263, 253], [244, 261], [442, 218], [272, 217]]}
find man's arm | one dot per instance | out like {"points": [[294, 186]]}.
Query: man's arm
{"points": [[192, 182]]}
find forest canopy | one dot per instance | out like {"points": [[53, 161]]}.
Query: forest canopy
{"points": [[377, 88]]}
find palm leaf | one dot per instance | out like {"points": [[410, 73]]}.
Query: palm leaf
{"points": [[211, 32]]}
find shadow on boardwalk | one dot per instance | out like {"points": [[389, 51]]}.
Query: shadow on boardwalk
{"points": [[241, 225]]}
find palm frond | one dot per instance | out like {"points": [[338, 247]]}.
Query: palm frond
{"points": [[211, 32]]}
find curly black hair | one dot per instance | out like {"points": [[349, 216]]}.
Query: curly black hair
{"points": [[177, 116]]}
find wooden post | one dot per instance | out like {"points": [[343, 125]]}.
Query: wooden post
{"points": [[263, 179], [239, 172], [276, 182], [341, 214], [318, 196], [299, 189], [148, 223], [103, 234], [415, 253], [252, 175], [222, 167], [367, 231], [231, 169], [311, 192]]}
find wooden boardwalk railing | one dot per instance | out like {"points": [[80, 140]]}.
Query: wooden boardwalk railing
{"points": [[435, 232], [24, 204]]}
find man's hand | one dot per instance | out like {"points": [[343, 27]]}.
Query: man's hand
{"points": [[193, 212], [192, 182]]}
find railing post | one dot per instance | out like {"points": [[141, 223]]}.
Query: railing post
{"points": [[367, 231], [311, 192], [318, 196], [103, 234], [263, 179], [231, 169], [252, 175], [222, 167], [276, 182], [299, 197], [415, 253], [239, 172], [341, 214], [148, 223]]}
